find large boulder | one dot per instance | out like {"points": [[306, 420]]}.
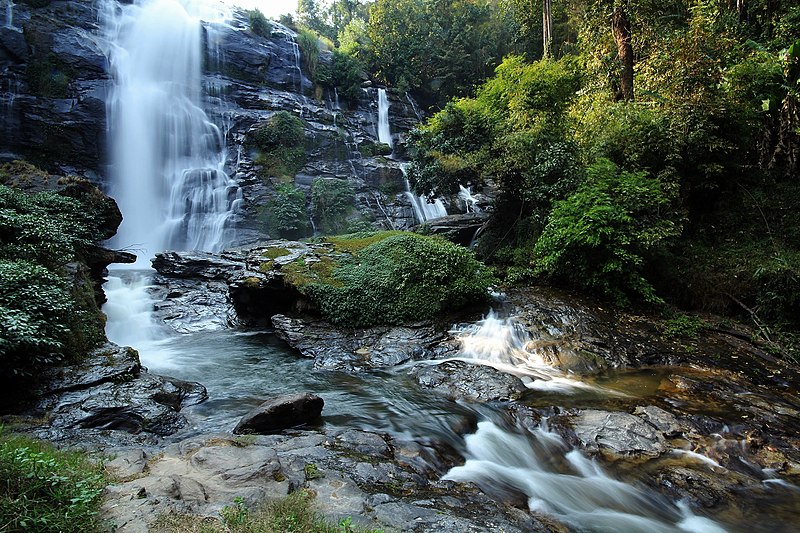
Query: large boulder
{"points": [[279, 413]]}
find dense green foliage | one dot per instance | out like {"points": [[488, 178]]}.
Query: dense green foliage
{"points": [[681, 191], [45, 318], [331, 201], [279, 145], [393, 278], [259, 23], [46, 490], [287, 213]]}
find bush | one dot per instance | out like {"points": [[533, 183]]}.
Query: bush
{"points": [[279, 145], [404, 277], [343, 73], [308, 41], [259, 23], [48, 76], [598, 238], [287, 217], [46, 490], [331, 202]]}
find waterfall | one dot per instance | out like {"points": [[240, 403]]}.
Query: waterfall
{"points": [[470, 202], [424, 210], [384, 132], [167, 156], [9, 8]]}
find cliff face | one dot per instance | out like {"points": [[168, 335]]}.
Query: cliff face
{"points": [[54, 82]]}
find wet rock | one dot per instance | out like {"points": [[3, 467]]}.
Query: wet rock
{"points": [[458, 380], [108, 364], [281, 413], [460, 229], [196, 264], [348, 349], [662, 420], [618, 433]]}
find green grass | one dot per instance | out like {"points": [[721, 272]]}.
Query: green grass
{"points": [[45, 490], [292, 514]]}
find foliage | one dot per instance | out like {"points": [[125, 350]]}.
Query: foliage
{"points": [[683, 325], [309, 44], [600, 236], [292, 514], [259, 23], [48, 76], [343, 73], [279, 145], [45, 318], [399, 278], [331, 201], [46, 490], [287, 216]]}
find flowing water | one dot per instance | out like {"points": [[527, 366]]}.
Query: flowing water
{"points": [[168, 158]]}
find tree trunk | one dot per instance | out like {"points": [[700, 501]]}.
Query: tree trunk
{"points": [[621, 27], [547, 28]]}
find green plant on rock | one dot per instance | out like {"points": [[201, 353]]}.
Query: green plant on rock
{"points": [[600, 236], [46, 490], [331, 202], [279, 145], [259, 23], [401, 278], [286, 213]]}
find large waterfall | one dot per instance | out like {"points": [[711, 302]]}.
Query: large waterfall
{"points": [[167, 156]]}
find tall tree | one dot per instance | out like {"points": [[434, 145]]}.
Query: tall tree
{"points": [[547, 28], [621, 28]]}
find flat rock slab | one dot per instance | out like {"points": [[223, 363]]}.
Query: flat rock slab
{"points": [[618, 432], [279, 413], [458, 380]]}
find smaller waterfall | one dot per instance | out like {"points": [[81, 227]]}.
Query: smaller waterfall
{"points": [[424, 210], [414, 107], [384, 131], [8, 6], [469, 201]]}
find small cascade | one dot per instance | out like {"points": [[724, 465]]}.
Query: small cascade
{"points": [[8, 7], [465, 194], [167, 156], [414, 107], [424, 209], [384, 131], [562, 482], [505, 344]]}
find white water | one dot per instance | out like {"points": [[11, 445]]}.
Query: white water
{"points": [[469, 201], [506, 345], [8, 6], [384, 131], [565, 484], [167, 156], [424, 210]]}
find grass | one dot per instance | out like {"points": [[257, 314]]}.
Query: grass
{"points": [[292, 514], [45, 490]]}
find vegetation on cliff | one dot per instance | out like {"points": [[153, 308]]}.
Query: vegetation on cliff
{"points": [[47, 301]]}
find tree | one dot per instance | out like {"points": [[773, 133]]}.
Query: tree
{"points": [[621, 28], [547, 28]]}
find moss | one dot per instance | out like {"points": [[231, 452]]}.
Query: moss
{"points": [[49, 77], [252, 282], [274, 253], [369, 149], [266, 266], [355, 242]]}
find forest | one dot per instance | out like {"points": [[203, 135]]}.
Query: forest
{"points": [[644, 151]]}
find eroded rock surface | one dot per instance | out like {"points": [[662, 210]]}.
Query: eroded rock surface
{"points": [[282, 412]]}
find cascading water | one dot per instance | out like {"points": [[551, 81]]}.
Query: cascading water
{"points": [[8, 5], [424, 210], [563, 483], [469, 201], [168, 157]]}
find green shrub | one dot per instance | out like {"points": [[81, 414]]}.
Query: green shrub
{"points": [[279, 145], [331, 203], [46, 490], [287, 215], [401, 278], [259, 23], [308, 41], [598, 238], [343, 73], [371, 149], [48, 76]]}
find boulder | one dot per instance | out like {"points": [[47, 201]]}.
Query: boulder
{"points": [[617, 432], [281, 413], [458, 380]]}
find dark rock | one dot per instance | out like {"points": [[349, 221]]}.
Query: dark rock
{"points": [[196, 264], [12, 43], [464, 381], [460, 229], [348, 349], [281, 413]]}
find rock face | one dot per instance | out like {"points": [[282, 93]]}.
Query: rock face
{"points": [[283, 412], [463, 381]]}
